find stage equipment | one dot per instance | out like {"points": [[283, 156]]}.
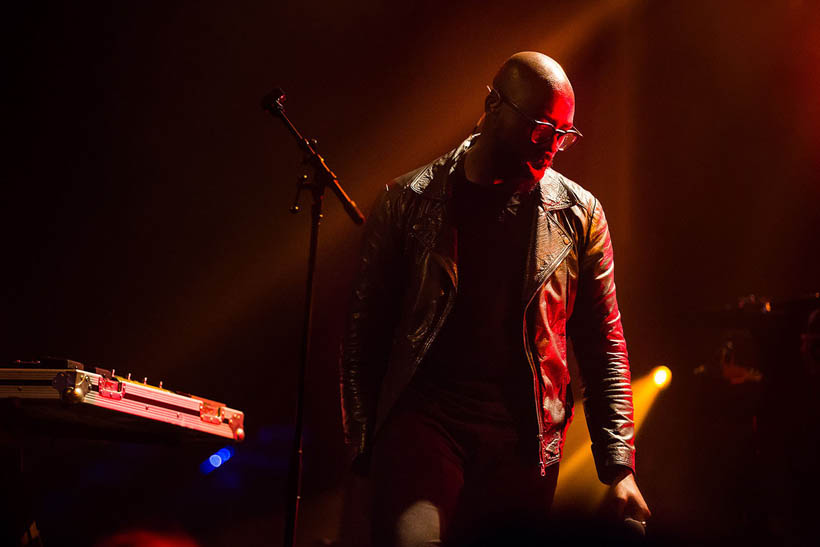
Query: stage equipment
{"points": [[61, 397], [760, 339], [322, 178], [754, 397]]}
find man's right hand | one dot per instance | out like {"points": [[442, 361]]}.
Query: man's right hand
{"points": [[625, 500]]}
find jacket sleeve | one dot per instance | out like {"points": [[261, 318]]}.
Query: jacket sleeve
{"points": [[600, 348], [373, 310]]}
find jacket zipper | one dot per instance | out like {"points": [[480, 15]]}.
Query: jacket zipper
{"points": [[536, 388]]}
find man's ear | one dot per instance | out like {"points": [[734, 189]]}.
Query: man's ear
{"points": [[493, 101]]}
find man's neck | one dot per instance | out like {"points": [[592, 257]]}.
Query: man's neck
{"points": [[481, 168]]}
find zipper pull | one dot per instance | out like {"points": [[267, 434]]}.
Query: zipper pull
{"points": [[541, 454]]}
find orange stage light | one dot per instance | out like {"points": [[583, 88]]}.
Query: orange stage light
{"points": [[662, 376]]}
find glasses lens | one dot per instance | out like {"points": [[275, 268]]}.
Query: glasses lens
{"points": [[566, 140], [542, 134]]}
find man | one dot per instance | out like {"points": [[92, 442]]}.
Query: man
{"points": [[454, 379]]}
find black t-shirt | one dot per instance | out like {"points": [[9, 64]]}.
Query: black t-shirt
{"points": [[476, 372]]}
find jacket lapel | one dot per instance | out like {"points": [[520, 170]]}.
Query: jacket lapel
{"points": [[549, 242], [432, 184]]}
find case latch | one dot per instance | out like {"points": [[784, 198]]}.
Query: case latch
{"points": [[111, 388], [73, 385]]}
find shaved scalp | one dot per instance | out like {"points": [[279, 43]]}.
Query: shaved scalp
{"points": [[533, 79], [530, 87]]}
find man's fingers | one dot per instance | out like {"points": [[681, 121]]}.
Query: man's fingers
{"points": [[637, 508]]}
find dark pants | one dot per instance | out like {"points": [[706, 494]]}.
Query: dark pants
{"points": [[440, 480]]}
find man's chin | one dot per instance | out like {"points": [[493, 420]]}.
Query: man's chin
{"points": [[538, 166], [524, 168]]}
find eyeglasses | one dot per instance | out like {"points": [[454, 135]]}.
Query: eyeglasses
{"points": [[543, 132]]}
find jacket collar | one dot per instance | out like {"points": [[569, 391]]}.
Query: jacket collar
{"points": [[432, 181], [554, 192]]}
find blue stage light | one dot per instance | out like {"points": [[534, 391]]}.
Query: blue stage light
{"points": [[216, 459], [225, 453]]}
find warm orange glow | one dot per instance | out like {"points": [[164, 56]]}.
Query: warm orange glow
{"points": [[578, 486], [662, 376]]}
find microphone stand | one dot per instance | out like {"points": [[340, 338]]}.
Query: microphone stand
{"points": [[322, 178]]}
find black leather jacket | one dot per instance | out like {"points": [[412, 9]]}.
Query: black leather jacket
{"points": [[406, 287]]}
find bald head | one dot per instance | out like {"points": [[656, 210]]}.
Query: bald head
{"points": [[531, 88], [535, 82]]}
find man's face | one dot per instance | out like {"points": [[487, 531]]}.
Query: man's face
{"points": [[516, 152]]}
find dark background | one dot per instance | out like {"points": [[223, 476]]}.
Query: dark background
{"points": [[145, 222]]}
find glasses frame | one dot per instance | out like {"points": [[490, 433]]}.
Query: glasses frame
{"points": [[557, 134]]}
